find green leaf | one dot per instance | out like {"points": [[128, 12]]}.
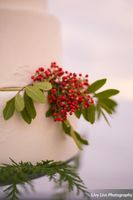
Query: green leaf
{"points": [[106, 119], [107, 93], [19, 103], [9, 109], [26, 117], [35, 94], [81, 139], [89, 113], [109, 103], [44, 85], [98, 111], [49, 113], [29, 106], [78, 113], [74, 136], [96, 85], [105, 107]]}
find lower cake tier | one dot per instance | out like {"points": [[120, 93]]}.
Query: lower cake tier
{"points": [[41, 140]]}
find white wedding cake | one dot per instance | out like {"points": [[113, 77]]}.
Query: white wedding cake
{"points": [[29, 37]]}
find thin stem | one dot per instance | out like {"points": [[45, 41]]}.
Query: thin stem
{"points": [[9, 89], [21, 89], [4, 89], [105, 117], [73, 135]]}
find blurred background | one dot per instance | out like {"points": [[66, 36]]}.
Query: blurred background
{"points": [[97, 38]]}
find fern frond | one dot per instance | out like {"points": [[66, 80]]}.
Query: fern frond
{"points": [[12, 192], [23, 172]]}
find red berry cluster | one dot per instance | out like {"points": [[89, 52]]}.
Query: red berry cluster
{"points": [[52, 73], [69, 91]]}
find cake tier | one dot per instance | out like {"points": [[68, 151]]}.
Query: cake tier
{"points": [[28, 39], [32, 5], [41, 140]]}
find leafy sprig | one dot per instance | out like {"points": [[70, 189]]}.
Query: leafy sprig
{"points": [[103, 103], [68, 129], [23, 172], [24, 100], [98, 103]]}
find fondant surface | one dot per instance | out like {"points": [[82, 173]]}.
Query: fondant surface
{"points": [[29, 38]]}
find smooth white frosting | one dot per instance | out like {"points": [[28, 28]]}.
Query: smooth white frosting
{"points": [[29, 39], [41, 140]]}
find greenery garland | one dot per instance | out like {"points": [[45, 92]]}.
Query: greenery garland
{"points": [[23, 172]]}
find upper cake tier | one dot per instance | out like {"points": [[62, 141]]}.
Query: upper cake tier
{"points": [[29, 37], [33, 5]]}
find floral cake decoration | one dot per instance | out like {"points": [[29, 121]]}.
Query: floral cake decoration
{"points": [[66, 93]]}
